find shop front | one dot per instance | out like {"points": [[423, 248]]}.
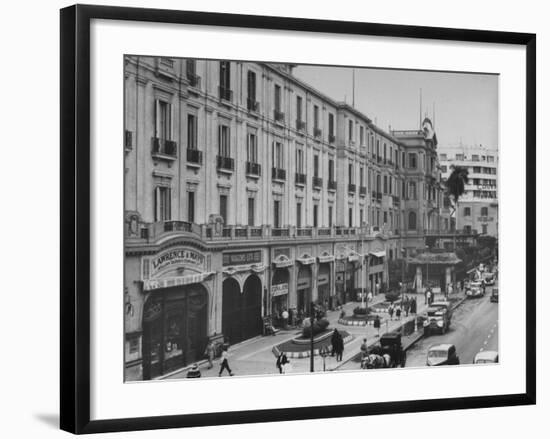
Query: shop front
{"points": [[174, 329], [279, 291], [323, 285], [303, 289], [174, 320]]}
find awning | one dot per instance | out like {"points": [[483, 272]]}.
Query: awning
{"points": [[306, 261], [353, 258], [379, 254], [283, 263], [326, 258], [257, 268], [155, 284]]}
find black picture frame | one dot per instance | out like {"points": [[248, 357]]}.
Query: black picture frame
{"points": [[75, 217]]}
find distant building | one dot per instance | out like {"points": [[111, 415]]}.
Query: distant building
{"points": [[478, 207]]}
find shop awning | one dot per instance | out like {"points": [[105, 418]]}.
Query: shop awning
{"points": [[306, 261], [155, 284], [281, 263], [379, 254], [326, 258], [353, 258]]}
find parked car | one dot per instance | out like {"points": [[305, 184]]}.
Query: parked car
{"points": [[442, 354], [474, 292], [486, 357], [494, 295]]}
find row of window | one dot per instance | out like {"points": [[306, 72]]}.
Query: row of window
{"points": [[484, 211], [474, 158]]}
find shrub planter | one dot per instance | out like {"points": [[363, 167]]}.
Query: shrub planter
{"points": [[292, 349]]}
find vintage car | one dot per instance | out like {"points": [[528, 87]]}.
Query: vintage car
{"points": [[475, 289], [442, 354], [494, 295], [486, 357], [489, 278], [438, 318]]}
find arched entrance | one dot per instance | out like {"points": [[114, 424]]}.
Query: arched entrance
{"points": [[231, 310], [174, 329], [323, 284], [279, 291], [303, 289], [241, 313]]}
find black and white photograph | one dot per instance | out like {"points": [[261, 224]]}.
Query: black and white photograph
{"points": [[293, 218]]}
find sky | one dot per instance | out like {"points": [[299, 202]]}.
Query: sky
{"points": [[466, 104]]}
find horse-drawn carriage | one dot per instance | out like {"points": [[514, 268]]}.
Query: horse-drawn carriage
{"points": [[387, 353]]}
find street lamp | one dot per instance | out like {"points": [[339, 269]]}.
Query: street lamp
{"points": [[311, 320], [402, 275]]}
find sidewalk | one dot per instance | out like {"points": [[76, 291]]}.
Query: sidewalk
{"points": [[255, 357]]}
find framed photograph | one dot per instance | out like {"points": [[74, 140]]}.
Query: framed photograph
{"points": [[275, 218]]}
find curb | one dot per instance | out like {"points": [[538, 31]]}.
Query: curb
{"points": [[305, 354]]}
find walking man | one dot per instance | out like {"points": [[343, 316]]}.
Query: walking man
{"points": [[398, 313], [377, 324], [390, 311], [209, 353], [224, 363]]}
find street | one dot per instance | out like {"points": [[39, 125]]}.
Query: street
{"points": [[474, 327]]}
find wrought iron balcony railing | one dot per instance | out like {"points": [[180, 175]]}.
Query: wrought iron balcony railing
{"points": [[164, 147], [253, 168], [300, 178], [226, 163], [317, 182], [278, 174], [194, 156]]}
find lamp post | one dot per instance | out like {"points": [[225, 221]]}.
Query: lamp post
{"points": [[402, 275], [311, 320]]}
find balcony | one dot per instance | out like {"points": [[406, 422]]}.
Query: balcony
{"points": [[304, 231], [331, 185], [379, 159], [177, 226], [300, 179], [317, 182], [378, 196], [253, 169], [127, 140], [164, 149], [317, 133], [351, 188], [396, 199], [225, 94], [225, 163], [153, 231], [279, 116], [300, 125], [280, 232], [389, 162], [252, 105], [362, 191], [194, 80], [278, 174], [331, 138], [194, 156]]}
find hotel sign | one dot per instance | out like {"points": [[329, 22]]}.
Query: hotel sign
{"points": [[242, 258], [179, 256], [279, 290]]}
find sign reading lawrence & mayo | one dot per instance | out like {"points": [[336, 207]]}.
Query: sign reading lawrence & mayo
{"points": [[242, 258], [279, 290], [178, 256]]}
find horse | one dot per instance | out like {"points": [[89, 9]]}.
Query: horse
{"points": [[373, 361]]}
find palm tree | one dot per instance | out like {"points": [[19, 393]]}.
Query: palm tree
{"points": [[456, 187]]}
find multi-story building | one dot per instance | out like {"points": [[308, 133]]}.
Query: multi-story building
{"points": [[478, 207], [248, 192]]}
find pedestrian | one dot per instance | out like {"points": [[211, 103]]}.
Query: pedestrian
{"points": [[334, 342], [377, 324], [390, 311], [224, 364], [194, 372], [407, 306], [398, 313], [339, 347], [428, 297], [369, 297], [413, 306], [209, 352], [281, 361], [364, 348], [284, 315]]}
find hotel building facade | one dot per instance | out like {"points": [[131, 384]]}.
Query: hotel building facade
{"points": [[248, 192], [478, 207]]}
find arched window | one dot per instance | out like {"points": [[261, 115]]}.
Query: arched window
{"points": [[412, 221]]}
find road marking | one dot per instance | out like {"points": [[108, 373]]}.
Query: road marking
{"points": [[485, 343]]}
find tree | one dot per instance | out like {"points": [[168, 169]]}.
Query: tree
{"points": [[456, 187]]}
